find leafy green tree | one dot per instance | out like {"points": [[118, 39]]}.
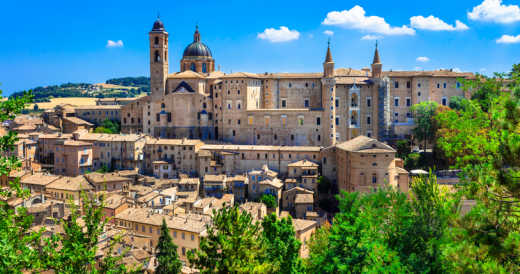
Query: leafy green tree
{"points": [[75, 250], [403, 148], [456, 102], [16, 239], [484, 140], [423, 117], [233, 245], [109, 127], [282, 247], [317, 244], [269, 200], [166, 253], [324, 184]]}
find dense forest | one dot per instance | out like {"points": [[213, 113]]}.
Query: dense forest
{"points": [[136, 86]]}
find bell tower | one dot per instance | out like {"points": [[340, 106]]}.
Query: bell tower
{"points": [[158, 59]]}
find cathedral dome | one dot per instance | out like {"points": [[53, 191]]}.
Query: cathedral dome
{"points": [[158, 25], [197, 48]]}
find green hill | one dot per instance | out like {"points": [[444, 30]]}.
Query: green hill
{"points": [[117, 87]]}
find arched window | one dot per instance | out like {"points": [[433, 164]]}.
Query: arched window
{"points": [[157, 57], [374, 178], [162, 105], [204, 69], [192, 66], [156, 40]]}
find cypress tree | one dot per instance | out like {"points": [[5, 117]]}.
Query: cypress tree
{"points": [[166, 253]]}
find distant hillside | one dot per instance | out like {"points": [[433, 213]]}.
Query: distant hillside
{"points": [[118, 87]]}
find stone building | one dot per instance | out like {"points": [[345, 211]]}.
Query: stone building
{"points": [[292, 109], [186, 230], [115, 151], [72, 158], [363, 164]]}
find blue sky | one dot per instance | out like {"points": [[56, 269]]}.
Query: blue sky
{"points": [[52, 42]]}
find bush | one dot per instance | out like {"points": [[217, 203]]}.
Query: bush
{"points": [[412, 161], [269, 200]]}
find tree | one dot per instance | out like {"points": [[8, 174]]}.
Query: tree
{"points": [[75, 250], [232, 245], [109, 127], [403, 148], [484, 141], [16, 240], [166, 253], [282, 247], [269, 200], [324, 184], [423, 117], [317, 244], [456, 102]]}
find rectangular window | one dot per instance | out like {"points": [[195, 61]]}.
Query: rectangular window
{"points": [[300, 120], [369, 101], [444, 85], [267, 120], [396, 101], [157, 117], [337, 120], [408, 101], [250, 120], [283, 119], [169, 117], [306, 102], [368, 120], [396, 84], [444, 101], [337, 102], [318, 121], [284, 103], [408, 84], [229, 104]]}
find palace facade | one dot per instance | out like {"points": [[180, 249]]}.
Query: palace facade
{"points": [[293, 109]]}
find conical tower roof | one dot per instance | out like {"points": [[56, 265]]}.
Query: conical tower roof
{"points": [[328, 58], [376, 56]]}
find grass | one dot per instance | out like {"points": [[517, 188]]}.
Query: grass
{"points": [[75, 101]]}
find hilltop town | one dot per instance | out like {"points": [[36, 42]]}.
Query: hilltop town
{"points": [[204, 140]]}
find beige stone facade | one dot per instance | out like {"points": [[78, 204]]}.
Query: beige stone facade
{"points": [[72, 158], [363, 164], [293, 109]]}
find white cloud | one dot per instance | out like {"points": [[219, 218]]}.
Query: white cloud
{"points": [[436, 24], [422, 59], [494, 11], [355, 19], [114, 44], [283, 34], [508, 39], [328, 32], [456, 70], [371, 37]]}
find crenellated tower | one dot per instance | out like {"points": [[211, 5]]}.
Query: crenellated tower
{"points": [[158, 59]]}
